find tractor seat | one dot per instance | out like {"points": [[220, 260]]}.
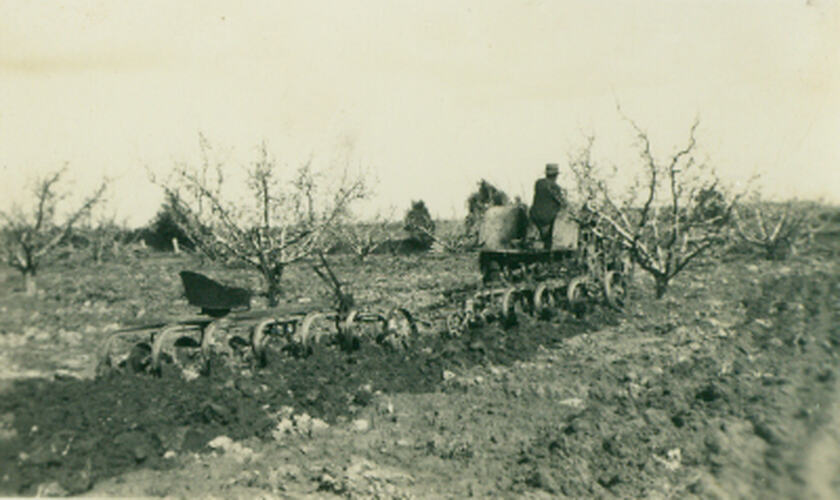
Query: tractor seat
{"points": [[214, 298]]}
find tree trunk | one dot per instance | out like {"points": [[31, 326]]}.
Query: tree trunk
{"points": [[273, 295], [30, 285], [272, 281], [661, 286]]}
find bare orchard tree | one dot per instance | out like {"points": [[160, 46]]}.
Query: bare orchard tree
{"points": [[30, 236], [673, 212], [364, 237], [271, 223], [775, 229]]}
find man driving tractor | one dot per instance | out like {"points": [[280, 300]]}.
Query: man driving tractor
{"points": [[549, 199]]}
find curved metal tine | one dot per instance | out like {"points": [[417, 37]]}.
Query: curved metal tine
{"points": [[347, 327], [207, 336], [399, 327], [509, 306], [162, 338], [106, 350], [157, 346], [307, 337], [406, 317], [543, 298], [259, 339]]}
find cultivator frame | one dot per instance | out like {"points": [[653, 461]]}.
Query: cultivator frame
{"points": [[228, 308]]}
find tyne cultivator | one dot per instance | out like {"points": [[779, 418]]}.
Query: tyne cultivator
{"points": [[229, 328]]}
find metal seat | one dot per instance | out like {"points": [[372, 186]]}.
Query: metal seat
{"points": [[215, 299]]}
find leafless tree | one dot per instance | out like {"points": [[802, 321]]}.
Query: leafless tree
{"points": [[282, 222], [30, 236], [105, 238], [364, 238], [673, 213], [776, 229]]}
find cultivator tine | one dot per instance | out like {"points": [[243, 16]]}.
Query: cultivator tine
{"points": [[104, 362], [348, 327], [207, 335], [543, 299], [576, 294], [106, 354], [509, 303], [399, 327], [456, 323], [157, 346], [307, 335], [259, 340]]}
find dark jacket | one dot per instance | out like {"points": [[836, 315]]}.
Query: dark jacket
{"points": [[549, 199]]}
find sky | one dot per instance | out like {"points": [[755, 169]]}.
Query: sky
{"points": [[428, 97]]}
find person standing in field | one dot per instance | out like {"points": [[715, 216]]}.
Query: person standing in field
{"points": [[549, 198]]}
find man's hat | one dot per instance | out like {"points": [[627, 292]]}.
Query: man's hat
{"points": [[551, 169]]}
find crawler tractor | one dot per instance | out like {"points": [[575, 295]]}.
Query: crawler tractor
{"points": [[521, 275]]}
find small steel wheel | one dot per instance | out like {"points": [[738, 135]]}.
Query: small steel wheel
{"points": [[615, 289]]}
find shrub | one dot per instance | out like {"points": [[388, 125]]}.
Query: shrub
{"points": [[419, 225], [486, 196], [163, 229]]}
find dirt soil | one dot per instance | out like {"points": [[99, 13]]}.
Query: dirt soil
{"points": [[727, 388]]}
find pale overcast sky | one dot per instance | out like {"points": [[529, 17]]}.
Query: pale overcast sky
{"points": [[431, 96]]}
